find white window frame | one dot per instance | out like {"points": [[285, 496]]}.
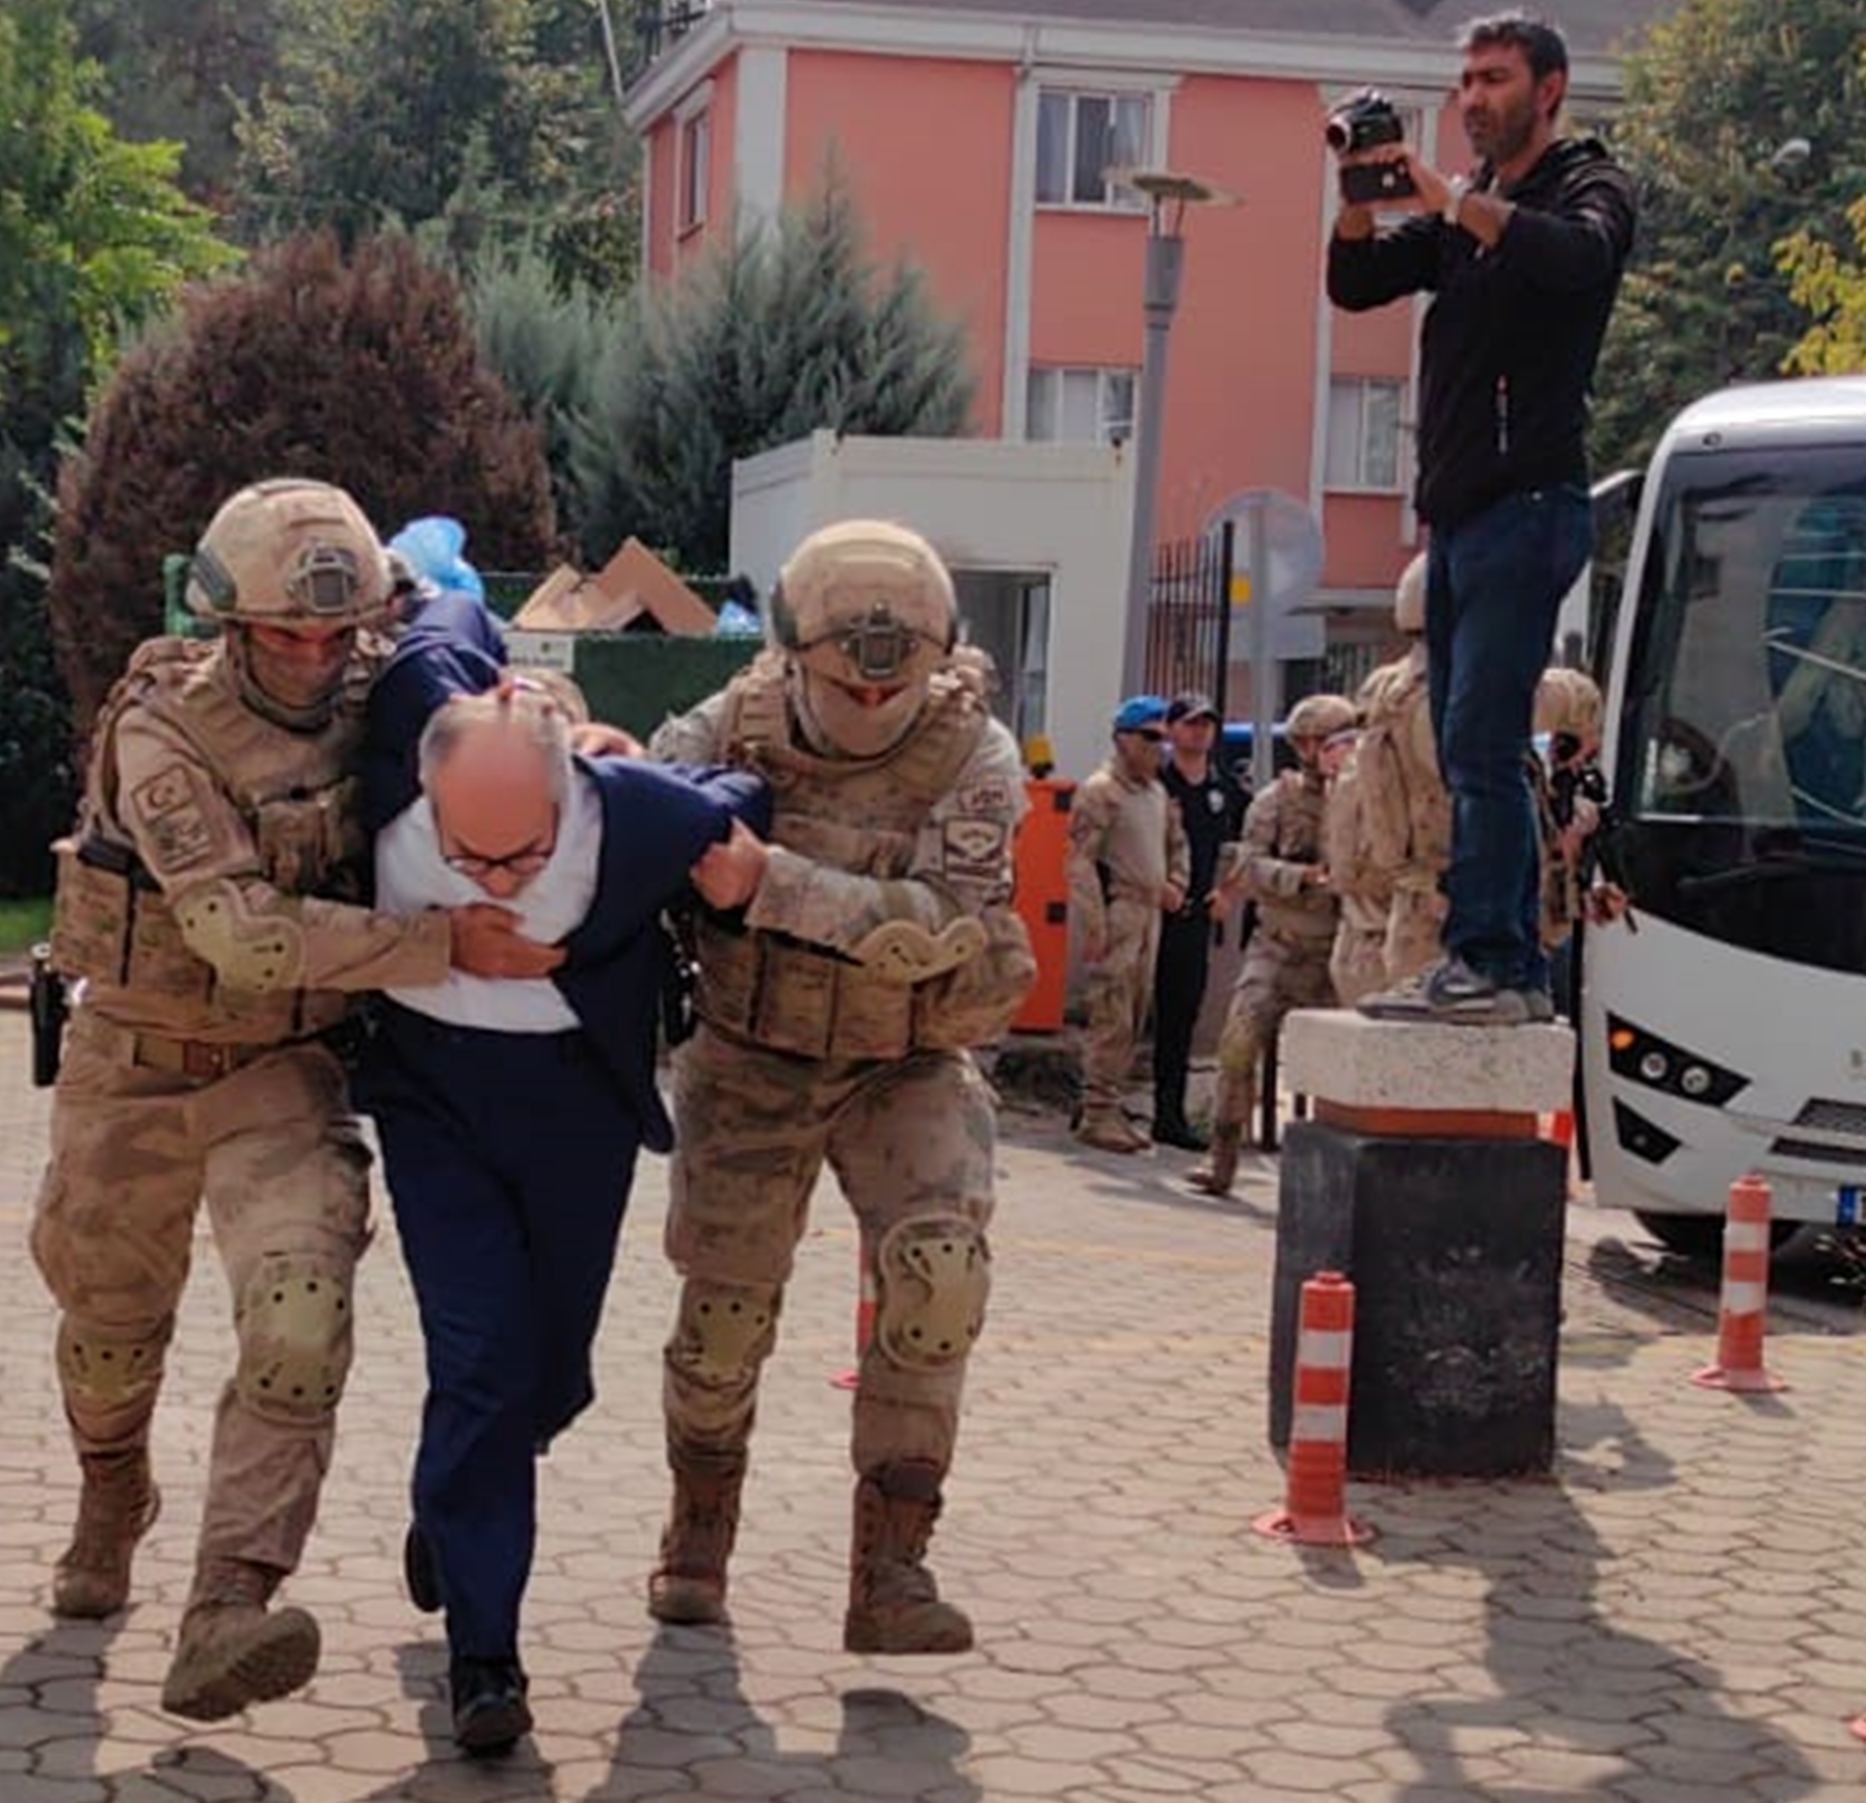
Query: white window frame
{"points": [[1044, 402], [1360, 480], [1113, 199]]}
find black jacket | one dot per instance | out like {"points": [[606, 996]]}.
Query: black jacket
{"points": [[1511, 337]]}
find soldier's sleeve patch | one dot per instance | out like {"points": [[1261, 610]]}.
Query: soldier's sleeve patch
{"points": [[172, 813], [985, 798], [971, 847]]}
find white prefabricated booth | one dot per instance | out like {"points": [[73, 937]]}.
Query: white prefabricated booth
{"points": [[1036, 536]]}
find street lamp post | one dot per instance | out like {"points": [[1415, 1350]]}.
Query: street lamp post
{"points": [[1169, 195]]}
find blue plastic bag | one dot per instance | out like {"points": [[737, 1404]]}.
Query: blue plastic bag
{"points": [[432, 546], [736, 621]]}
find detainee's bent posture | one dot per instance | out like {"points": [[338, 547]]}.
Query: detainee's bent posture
{"points": [[202, 902], [835, 1022], [511, 1113]]}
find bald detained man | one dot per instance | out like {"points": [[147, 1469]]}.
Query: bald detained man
{"points": [[511, 1111]]}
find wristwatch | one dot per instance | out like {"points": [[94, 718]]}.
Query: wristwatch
{"points": [[1455, 191]]}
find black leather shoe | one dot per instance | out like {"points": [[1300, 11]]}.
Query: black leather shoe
{"points": [[490, 1711], [418, 1573], [1181, 1134]]}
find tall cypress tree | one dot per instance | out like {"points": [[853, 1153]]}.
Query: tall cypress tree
{"points": [[771, 336]]}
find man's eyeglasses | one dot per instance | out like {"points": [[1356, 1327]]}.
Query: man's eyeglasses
{"points": [[524, 863], [1152, 734]]}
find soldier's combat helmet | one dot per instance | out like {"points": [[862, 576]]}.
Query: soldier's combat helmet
{"points": [[289, 551], [1319, 716], [866, 612]]}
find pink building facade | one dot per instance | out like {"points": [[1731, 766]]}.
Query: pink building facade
{"points": [[977, 139]]}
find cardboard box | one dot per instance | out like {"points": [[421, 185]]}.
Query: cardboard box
{"points": [[634, 589]]}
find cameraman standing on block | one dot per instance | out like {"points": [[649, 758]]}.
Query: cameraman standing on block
{"points": [[1523, 261]]}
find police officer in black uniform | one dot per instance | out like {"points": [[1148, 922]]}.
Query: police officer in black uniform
{"points": [[1212, 804]]}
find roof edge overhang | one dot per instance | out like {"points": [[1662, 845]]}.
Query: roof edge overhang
{"points": [[953, 32]]}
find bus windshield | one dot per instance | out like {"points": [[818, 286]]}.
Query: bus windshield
{"points": [[1739, 777], [1746, 686]]}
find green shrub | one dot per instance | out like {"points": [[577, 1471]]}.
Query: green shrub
{"points": [[361, 370]]}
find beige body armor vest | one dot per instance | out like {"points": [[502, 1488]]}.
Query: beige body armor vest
{"points": [[790, 996], [294, 795]]}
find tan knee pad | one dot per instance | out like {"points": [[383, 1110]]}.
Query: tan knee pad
{"points": [[106, 1370], [934, 1274], [724, 1331], [294, 1324]]}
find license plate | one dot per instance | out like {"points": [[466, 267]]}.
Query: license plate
{"points": [[1849, 1209]]}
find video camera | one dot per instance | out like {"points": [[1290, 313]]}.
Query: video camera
{"points": [[1365, 121]]}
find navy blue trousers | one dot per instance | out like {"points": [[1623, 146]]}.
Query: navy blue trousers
{"points": [[1494, 585], [508, 1158]]}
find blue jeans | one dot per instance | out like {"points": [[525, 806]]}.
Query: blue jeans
{"points": [[1494, 584]]}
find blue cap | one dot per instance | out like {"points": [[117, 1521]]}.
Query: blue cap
{"points": [[1138, 712]]}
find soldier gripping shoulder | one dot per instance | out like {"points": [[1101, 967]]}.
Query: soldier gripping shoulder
{"points": [[209, 905], [836, 1012]]}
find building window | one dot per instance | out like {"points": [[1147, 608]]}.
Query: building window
{"points": [[1081, 137], [1363, 434], [1081, 406], [696, 146]]}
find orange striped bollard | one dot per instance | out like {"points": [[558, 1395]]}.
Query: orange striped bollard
{"points": [[864, 1319], [1314, 1511], [1743, 1305]]}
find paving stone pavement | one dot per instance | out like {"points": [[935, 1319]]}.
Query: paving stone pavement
{"points": [[1675, 1617]]}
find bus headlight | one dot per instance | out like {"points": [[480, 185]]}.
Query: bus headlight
{"points": [[1644, 1058]]}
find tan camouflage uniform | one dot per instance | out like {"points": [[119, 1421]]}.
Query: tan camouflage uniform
{"points": [[1356, 962], [1127, 844], [193, 1071], [1406, 810], [1286, 962], [835, 1027]]}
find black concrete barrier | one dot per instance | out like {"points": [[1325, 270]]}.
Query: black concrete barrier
{"points": [[1454, 1247]]}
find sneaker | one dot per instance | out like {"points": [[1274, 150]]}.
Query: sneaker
{"points": [[1451, 993], [491, 1714]]}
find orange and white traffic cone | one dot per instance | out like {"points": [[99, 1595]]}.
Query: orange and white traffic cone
{"points": [[1314, 1511], [1743, 1305], [866, 1299]]}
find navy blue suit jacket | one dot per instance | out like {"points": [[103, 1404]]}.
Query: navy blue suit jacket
{"points": [[657, 821]]}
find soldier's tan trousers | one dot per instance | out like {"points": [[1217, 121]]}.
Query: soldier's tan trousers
{"points": [[907, 1141], [1276, 977], [1118, 998], [275, 1154]]}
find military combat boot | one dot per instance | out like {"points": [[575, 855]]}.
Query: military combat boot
{"points": [[1109, 1131], [689, 1584], [894, 1604], [232, 1651], [1216, 1174], [116, 1507]]}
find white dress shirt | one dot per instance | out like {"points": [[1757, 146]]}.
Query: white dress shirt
{"points": [[411, 874]]}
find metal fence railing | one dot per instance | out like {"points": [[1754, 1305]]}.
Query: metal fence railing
{"points": [[1189, 616]]}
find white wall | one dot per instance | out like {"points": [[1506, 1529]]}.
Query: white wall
{"points": [[987, 504]]}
